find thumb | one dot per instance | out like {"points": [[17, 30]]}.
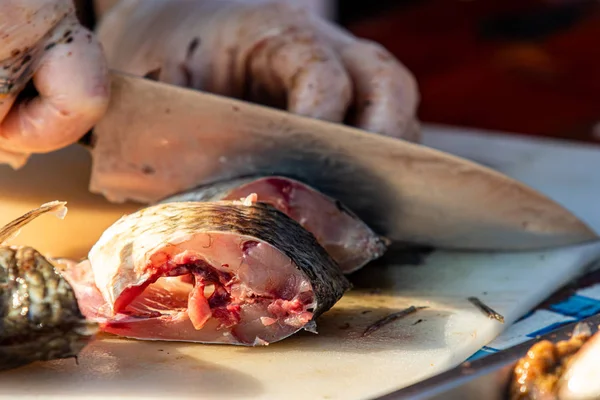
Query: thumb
{"points": [[73, 90]]}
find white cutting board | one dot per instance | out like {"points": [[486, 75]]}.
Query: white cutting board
{"points": [[338, 363]]}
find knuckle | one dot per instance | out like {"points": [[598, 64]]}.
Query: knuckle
{"points": [[340, 82], [334, 82], [387, 69]]}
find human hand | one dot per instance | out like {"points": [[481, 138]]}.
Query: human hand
{"points": [[42, 42], [268, 52]]}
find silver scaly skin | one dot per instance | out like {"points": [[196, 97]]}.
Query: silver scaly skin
{"points": [[270, 277], [347, 239]]}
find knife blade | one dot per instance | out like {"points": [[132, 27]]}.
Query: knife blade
{"points": [[485, 378], [158, 139]]}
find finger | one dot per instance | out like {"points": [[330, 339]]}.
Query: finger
{"points": [[72, 82], [386, 93], [6, 102], [7, 99], [303, 72]]}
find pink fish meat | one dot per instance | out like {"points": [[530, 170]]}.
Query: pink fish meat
{"points": [[228, 272], [349, 241]]}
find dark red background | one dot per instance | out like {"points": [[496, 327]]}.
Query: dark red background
{"points": [[526, 66]]}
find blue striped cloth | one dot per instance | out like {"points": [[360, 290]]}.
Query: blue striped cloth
{"points": [[583, 303]]}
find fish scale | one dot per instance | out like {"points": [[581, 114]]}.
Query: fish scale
{"points": [[133, 257], [39, 316], [348, 239]]}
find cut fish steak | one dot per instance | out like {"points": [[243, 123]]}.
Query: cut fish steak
{"points": [[349, 241], [229, 272]]}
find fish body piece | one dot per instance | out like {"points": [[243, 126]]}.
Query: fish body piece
{"points": [[349, 241], [214, 272], [40, 319]]}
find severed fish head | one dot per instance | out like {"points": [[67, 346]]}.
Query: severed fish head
{"points": [[40, 319], [39, 316]]}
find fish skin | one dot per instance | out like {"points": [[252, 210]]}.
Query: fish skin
{"points": [[119, 257], [39, 316], [350, 258], [209, 192], [40, 319]]}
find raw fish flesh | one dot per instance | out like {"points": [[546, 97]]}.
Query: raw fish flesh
{"points": [[349, 241], [229, 272]]}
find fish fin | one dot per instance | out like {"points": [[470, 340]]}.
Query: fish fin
{"points": [[260, 342], [12, 229], [386, 241], [61, 263], [311, 327]]}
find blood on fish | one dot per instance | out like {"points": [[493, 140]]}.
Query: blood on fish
{"points": [[261, 266], [249, 245], [219, 298], [285, 189], [199, 307]]}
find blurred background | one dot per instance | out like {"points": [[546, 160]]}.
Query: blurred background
{"points": [[525, 66], [530, 67]]}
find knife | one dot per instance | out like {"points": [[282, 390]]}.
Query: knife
{"points": [[485, 378], [158, 139]]}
